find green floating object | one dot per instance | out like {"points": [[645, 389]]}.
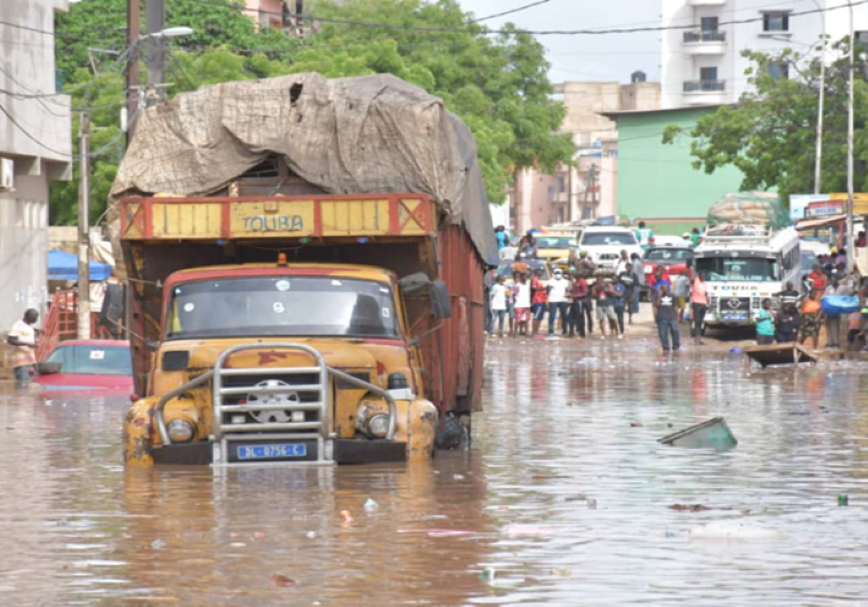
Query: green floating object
{"points": [[711, 434]]}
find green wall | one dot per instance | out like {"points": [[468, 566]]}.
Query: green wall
{"points": [[657, 180]]}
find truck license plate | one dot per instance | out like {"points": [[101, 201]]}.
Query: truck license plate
{"points": [[271, 451]]}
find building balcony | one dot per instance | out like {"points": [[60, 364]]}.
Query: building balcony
{"points": [[706, 2], [559, 197], [704, 42], [704, 91]]}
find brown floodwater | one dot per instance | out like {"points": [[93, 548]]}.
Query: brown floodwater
{"points": [[564, 499]]}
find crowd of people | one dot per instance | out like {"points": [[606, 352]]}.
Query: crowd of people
{"points": [[802, 317], [572, 300]]}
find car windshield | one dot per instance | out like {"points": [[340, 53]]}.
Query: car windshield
{"points": [[507, 269], [554, 242], [281, 306], [809, 260], [592, 239], [752, 269], [93, 360], [669, 256]]}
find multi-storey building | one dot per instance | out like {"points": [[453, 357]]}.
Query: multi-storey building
{"points": [[589, 188], [703, 41], [35, 148]]}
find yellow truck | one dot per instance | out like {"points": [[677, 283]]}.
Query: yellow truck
{"points": [[297, 329]]}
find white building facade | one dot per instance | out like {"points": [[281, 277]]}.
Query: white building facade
{"points": [[35, 148], [702, 61]]}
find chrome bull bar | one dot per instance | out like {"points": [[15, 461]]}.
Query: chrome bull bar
{"points": [[288, 430]]}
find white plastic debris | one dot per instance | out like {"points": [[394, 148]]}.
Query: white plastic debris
{"points": [[370, 505]]}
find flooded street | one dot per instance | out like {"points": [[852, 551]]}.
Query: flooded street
{"points": [[564, 499]]}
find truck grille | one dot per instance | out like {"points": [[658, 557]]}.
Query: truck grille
{"points": [[733, 304]]}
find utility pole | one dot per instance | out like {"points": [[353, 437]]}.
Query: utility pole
{"points": [[133, 31], [818, 148], [84, 231], [850, 104], [156, 15]]}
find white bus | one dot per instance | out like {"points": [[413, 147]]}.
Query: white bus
{"points": [[744, 265]]}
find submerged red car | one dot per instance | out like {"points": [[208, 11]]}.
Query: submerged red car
{"points": [[95, 366]]}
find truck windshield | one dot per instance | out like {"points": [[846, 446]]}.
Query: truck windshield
{"points": [[281, 306], [747, 269], [554, 242], [596, 239]]}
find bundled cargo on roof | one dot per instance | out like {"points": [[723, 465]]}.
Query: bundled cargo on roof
{"points": [[749, 209], [364, 135]]}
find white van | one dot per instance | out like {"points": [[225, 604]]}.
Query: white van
{"points": [[744, 265]]}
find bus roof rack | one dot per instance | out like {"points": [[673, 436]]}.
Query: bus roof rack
{"points": [[738, 232]]}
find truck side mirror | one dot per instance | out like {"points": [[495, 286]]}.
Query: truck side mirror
{"points": [[112, 313], [441, 305]]}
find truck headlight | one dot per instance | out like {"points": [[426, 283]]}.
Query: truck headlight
{"points": [[180, 431], [378, 425]]}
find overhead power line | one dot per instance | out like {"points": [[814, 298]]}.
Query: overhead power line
{"points": [[509, 12], [28, 135], [579, 32]]}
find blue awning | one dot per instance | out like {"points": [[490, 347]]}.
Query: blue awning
{"points": [[64, 266]]}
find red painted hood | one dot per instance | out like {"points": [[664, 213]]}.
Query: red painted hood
{"points": [[71, 384]]}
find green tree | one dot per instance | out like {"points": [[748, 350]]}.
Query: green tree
{"points": [[92, 27], [770, 133], [497, 84]]}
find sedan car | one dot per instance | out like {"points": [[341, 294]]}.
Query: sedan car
{"points": [[673, 259], [83, 366]]}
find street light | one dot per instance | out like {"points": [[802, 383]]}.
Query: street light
{"points": [[170, 32]]}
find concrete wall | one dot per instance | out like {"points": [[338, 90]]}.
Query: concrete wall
{"points": [[23, 248], [657, 180], [264, 12], [584, 101], [640, 96], [38, 142]]}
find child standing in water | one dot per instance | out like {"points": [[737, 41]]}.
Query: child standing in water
{"points": [[765, 324]]}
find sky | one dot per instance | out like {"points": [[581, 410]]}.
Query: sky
{"points": [[610, 57]]}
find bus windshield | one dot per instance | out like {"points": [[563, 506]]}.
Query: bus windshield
{"points": [[744, 269], [278, 306]]}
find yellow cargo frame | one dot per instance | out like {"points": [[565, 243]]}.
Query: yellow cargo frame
{"points": [[230, 218]]}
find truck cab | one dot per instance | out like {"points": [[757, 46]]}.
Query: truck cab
{"points": [[283, 361]]}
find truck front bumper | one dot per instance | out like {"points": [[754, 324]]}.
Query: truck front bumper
{"points": [[346, 451]]}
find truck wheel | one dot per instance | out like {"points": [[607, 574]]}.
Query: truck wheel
{"points": [[453, 434]]}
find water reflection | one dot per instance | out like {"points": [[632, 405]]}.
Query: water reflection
{"points": [[565, 499]]}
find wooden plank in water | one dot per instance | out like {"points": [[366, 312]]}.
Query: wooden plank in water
{"points": [[780, 354]]}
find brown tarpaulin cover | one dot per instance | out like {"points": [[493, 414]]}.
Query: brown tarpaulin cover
{"points": [[364, 135]]}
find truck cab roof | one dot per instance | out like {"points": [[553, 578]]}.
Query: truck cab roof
{"points": [[342, 270]]}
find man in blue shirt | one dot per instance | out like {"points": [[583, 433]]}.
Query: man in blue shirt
{"points": [[501, 236], [618, 291]]}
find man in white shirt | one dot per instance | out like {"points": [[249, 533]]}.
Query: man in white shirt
{"points": [[557, 289], [622, 263], [23, 338], [499, 294], [522, 305]]}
